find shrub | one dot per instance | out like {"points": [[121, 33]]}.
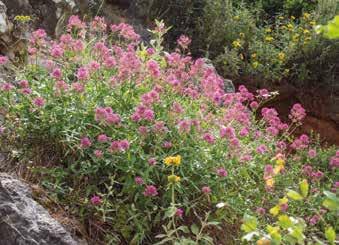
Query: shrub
{"points": [[145, 146]]}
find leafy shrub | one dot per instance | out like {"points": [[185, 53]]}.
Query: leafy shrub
{"points": [[145, 146]]}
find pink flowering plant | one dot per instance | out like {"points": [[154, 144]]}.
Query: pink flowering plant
{"points": [[148, 145]]}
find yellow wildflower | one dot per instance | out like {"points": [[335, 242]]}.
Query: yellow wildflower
{"points": [[290, 26], [254, 55], [277, 169], [236, 17], [292, 17], [175, 161], [255, 64], [269, 182], [312, 23], [268, 30], [280, 161], [269, 38], [241, 35], [281, 17], [173, 179], [22, 18], [236, 43], [306, 16], [295, 38], [281, 56]]}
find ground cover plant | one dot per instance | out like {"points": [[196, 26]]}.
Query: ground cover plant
{"points": [[145, 146]]}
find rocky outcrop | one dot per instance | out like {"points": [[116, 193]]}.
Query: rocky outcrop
{"points": [[23, 221]]}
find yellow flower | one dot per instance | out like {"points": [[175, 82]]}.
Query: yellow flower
{"points": [[290, 26], [306, 16], [236, 17], [283, 200], [295, 38], [254, 55], [280, 161], [306, 31], [292, 17], [312, 23], [270, 182], [255, 64], [241, 35], [281, 56], [269, 38], [281, 17], [277, 169], [22, 18], [286, 71], [175, 161], [173, 179], [268, 30], [236, 43]]}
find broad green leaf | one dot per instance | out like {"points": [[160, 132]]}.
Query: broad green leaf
{"points": [[284, 221], [331, 202], [330, 234], [274, 233], [170, 212], [184, 229], [304, 187], [294, 195], [250, 223], [194, 229], [297, 232]]}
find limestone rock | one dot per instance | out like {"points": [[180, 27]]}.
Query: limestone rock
{"points": [[23, 221]]}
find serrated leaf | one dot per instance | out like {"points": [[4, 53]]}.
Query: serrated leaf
{"points": [[294, 195], [194, 229], [330, 234], [284, 221], [304, 187], [250, 223]]}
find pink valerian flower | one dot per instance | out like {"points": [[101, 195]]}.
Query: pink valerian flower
{"points": [[159, 127], [335, 186], [177, 108], [184, 41], [32, 51], [283, 207], [334, 161], [150, 98], [78, 45], [38, 38], [150, 51], [297, 113], [98, 24], [39, 102], [96, 200], [125, 31], [245, 94], [312, 153], [102, 138], [61, 86], [94, 66], [3, 60], [179, 212], [66, 39], [83, 73], [6, 87], [316, 176], [307, 170], [78, 87], [273, 131], [260, 211], [138, 180], [268, 171], [314, 219], [153, 68], [98, 153], [184, 126], [143, 113], [254, 105], [56, 73], [281, 145], [206, 190], [263, 93], [246, 158], [107, 116], [85, 142], [119, 145], [244, 132], [143, 131], [221, 172], [209, 138], [74, 22], [167, 144], [23, 84], [228, 132], [300, 143], [110, 62], [152, 161], [262, 149], [150, 191], [235, 142], [57, 51], [26, 91]]}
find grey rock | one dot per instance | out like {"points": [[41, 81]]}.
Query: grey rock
{"points": [[23, 221]]}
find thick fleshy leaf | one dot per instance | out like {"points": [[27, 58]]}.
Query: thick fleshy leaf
{"points": [[330, 234], [250, 223], [304, 187], [294, 195]]}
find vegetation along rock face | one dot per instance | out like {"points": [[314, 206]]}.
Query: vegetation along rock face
{"points": [[144, 146]]}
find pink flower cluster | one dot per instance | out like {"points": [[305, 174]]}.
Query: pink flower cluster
{"points": [[119, 145], [334, 161], [143, 113], [313, 175], [106, 116]]}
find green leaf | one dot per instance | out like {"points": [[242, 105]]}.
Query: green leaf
{"points": [[330, 234], [294, 195], [274, 233], [331, 202], [284, 221], [194, 229], [250, 223], [184, 229], [170, 212], [304, 187]]}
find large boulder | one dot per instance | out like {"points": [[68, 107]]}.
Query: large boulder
{"points": [[23, 221]]}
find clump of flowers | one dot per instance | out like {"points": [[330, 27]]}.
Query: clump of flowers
{"points": [[157, 135]]}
